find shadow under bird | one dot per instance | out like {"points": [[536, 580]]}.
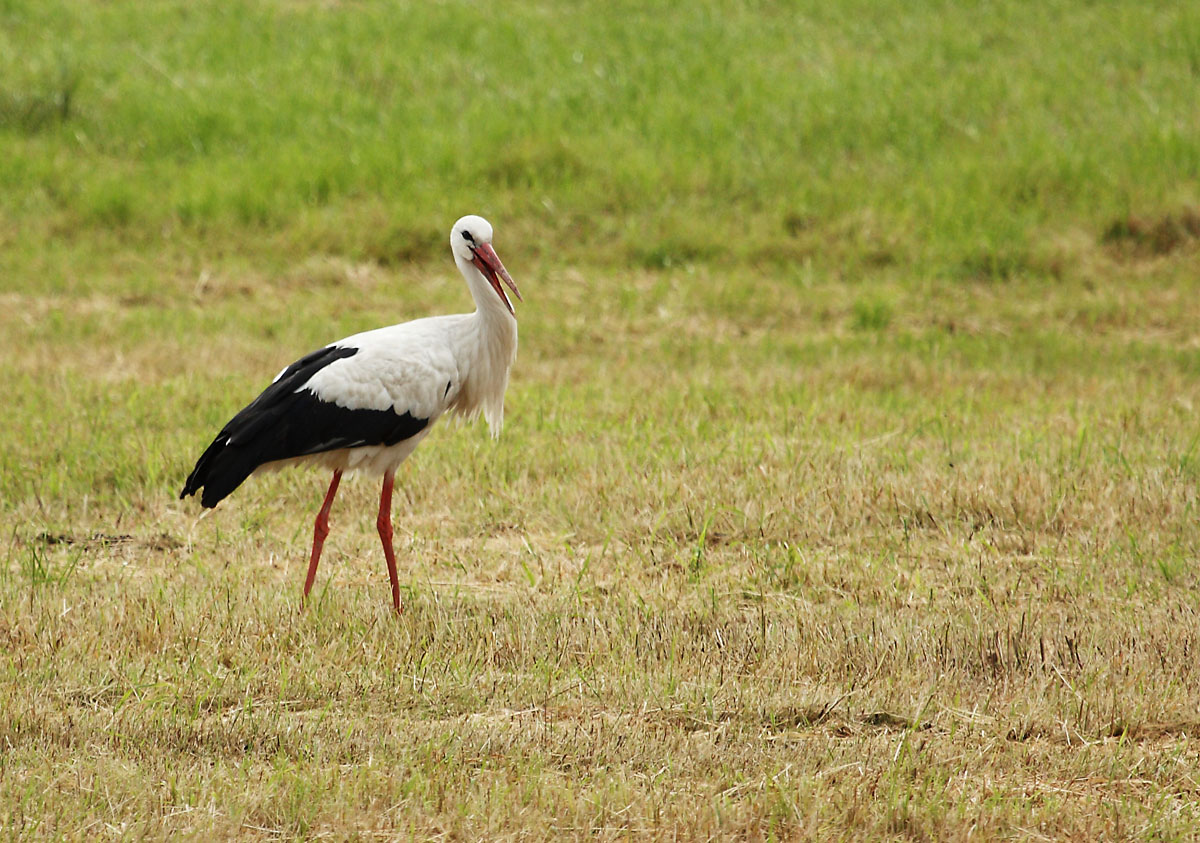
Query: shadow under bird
{"points": [[365, 402]]}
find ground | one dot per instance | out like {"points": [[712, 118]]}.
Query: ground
{"points": [[848, 487]]}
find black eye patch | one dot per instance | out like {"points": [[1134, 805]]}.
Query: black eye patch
{"points": [[467, 236]]}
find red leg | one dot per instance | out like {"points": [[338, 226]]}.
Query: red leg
{"points": [[384, 523], [320, 532]]}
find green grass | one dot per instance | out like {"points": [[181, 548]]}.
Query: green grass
{"points": [[846, 134], [849, 486]]}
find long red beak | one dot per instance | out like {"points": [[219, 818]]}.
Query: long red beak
{"points": [[488, 262]]}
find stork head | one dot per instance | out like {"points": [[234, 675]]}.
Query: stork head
{"points": [[471, 242]]}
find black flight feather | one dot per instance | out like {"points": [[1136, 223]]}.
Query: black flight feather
{"points": [[288, 421]]}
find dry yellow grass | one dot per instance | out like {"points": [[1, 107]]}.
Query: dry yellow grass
{"points": [[758, 555]]}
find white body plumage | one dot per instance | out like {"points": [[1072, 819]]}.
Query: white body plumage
{"points": [[426, 368]]}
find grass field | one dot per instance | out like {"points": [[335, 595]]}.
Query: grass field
{"points": [[850, 480]]}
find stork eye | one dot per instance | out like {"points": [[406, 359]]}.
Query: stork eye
{"points": [[467, 236]]}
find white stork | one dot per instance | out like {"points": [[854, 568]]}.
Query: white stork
{"points": [[364, 403]]}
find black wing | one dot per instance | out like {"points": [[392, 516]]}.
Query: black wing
{"points": [[287, 421]]}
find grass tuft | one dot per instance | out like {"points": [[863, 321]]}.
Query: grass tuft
{"points": [[32, 105], [1154, 237]]}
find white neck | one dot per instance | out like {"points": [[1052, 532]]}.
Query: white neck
{"points": [[491, 352]]}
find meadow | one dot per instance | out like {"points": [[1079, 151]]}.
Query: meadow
{"points": [[849, 482]]}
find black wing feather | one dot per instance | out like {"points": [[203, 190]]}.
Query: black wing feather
{"points": [[287, 421]]}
